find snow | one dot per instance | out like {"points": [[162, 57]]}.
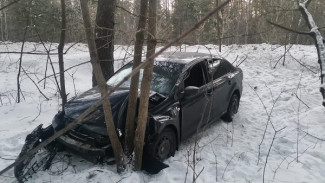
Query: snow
{"points": [[226, 152]]}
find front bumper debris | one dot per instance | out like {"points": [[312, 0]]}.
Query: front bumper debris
{"points": [[79, 146]]}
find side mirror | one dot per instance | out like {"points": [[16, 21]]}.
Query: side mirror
{"points": [[190, 91]]}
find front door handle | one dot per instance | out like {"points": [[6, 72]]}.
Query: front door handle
{"points": [[209, 92]]}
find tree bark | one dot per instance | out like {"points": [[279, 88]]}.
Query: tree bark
{"points": [[133, 96], [145, 86], [247, 20], [21, 56], [218, 26], [114, 140], [319, 42], [60, 53], [104, 32], [1, 23]]}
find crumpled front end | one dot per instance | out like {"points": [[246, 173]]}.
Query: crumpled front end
{"points": [[87, 146], [90, 138]]}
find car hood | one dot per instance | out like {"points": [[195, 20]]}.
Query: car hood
{"points": [[118, 99], [75, 107], [79, 104]]}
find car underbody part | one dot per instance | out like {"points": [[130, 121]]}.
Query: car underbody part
{"points": [[40, 160]]}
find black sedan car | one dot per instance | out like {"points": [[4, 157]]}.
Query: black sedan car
{"points": [[188, 91]]}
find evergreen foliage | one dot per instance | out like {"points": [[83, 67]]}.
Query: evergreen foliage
{"points": [[242, 22]]}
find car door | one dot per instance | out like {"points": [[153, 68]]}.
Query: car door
{"points": [[221, 86], [195, 109]]}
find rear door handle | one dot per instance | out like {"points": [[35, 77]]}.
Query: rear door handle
{"points": [[209, 92]]}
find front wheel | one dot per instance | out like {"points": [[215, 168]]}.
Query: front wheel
{"points": [[164, 145], [232, 108]]}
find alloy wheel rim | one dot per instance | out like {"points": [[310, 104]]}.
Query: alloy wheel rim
{"points": [[234, 106], [163, 148]]}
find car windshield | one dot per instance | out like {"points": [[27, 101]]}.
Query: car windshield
{"points": [[165, 75]]}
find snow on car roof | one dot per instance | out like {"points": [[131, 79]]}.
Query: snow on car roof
{"points": [[181, 57]]}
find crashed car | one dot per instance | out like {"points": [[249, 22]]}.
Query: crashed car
{"points": [[188, 91]]}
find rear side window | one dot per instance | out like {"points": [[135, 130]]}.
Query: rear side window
{"points": [[219, 68]]}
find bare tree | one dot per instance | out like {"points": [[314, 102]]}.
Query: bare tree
{"points": [[218, 26], [104, 32], [114, 140], [133, 96], [60, 52], [319, 42], [21, 58], [145, 86], [316, 35]]}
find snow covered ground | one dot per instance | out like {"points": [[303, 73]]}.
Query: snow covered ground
{"points": [[285, 99]]}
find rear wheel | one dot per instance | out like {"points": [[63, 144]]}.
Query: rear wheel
{"points": [[164, 145], [232, 108]]}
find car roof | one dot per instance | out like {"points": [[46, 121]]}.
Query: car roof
{"points": [[182, 57]]}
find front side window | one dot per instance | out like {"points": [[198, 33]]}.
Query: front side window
{"points": [[196, 76], [164, 76]]}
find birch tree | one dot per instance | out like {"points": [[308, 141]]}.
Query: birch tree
{"points": [[319, 42]]}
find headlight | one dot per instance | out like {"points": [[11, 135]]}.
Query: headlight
{"points": [[58, 121]]}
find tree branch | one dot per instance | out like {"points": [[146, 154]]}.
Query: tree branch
{"points": [[288, 29], [9, 4], [124, 9]]}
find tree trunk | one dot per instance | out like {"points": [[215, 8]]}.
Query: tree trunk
{"points": [[1, 23], [145, 86], [21, 55], [133, 96], [104, 32], [247, 20], [319, 42], [60, 53], [218, 26], [117, 147]]}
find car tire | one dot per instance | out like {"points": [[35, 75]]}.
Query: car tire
{"points": [[41, 160], [164, 145], [232, 108]]}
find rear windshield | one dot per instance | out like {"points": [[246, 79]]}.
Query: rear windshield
{"points": [[165, 75]]}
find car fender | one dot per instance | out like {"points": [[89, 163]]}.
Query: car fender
{"points": [[170, 118], [236, 85], [58, 121]]}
